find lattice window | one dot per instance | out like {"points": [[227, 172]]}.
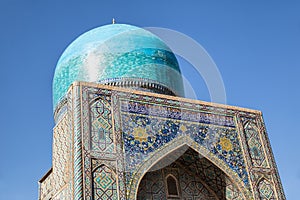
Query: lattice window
{"points": [[104, 184]]}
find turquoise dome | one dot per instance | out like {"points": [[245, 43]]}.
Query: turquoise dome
{"points": [[118, 53]]}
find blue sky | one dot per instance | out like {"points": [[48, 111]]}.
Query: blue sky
{"points": [[255, 45]]}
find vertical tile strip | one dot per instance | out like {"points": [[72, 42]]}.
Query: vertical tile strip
{"points": [[78, 176]]}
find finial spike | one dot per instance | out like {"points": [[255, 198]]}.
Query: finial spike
{"points": [[113, 21]]}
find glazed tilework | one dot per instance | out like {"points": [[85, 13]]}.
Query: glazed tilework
{"points": [[101, 128], [255, 147], [104, 183], [116, 51], [143, 135], [265, 190], [261, 167], [77, 127], [148, 126], [119, 135]]}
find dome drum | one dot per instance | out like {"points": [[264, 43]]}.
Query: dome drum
{"points": [[140, 84]]}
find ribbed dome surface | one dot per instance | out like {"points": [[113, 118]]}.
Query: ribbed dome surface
{"points": [[117, 53]]}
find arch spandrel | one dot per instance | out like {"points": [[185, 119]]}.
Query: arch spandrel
{"points": [[150, 131]]}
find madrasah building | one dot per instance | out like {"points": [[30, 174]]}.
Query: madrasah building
{"points": [[123, 129]]}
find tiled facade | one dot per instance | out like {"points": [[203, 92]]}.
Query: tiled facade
{"points": [[109, 140]]}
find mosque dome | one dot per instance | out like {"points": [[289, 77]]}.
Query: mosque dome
{"points": [[121, 55]]}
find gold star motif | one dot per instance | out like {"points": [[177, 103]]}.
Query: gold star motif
{"points": [[140, 134], [225, 144], [183, 128]]}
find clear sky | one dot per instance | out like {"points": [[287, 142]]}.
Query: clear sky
{"points": [[255, 44]]}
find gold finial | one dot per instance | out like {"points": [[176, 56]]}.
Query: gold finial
{"points": [[113, 21]]}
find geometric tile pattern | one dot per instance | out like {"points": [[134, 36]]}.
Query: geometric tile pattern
{"points": [[210, 175], [144, 133], [101, 132], [152, 186], [193, 188], [266, 191], [104, 184], [262, 168], [98, 141], [232, 192], [255, 145], [214, 178]]}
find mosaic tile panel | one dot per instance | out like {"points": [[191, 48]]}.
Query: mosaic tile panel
{"points": [[278, 189], [232, 192], [101, 127], [255, 146], [104, 184], [143, 133], [99, 142], [266, 191]]}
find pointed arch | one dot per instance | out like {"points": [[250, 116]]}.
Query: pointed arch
{"points": [[175, 145]]}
